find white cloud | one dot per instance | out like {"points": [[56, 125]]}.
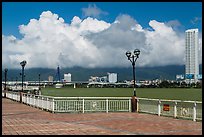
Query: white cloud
{"points": [[49, 42], [173, 23], [93, 11], [167, 48], [196, 20]]}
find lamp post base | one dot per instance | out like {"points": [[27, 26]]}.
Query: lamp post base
{"points": [[5, 93], [20, 97], [134, 103]]}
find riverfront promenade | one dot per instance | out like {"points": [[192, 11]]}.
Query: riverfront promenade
{"points": [[21, 119]]}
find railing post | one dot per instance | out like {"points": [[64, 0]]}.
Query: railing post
{"points": [[30, 99], [83, 105], [159, 108], [53, 105], [175, 109], [47, 104], [106, 105], [137, 105], [194, 111], [129, 105], [27, 98], [34, 101], [22, 98], [42, 102], [38, 106]]}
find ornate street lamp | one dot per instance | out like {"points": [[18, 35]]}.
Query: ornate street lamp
{"points": [[132, 57], [23, 63]]}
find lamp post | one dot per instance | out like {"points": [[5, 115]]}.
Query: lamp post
{"points": [[5, 74], [23, 63], [16, 81], [132, 57], [39, 82]]}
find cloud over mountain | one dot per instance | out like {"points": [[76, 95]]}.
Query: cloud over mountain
{"points": [[50, 41]]}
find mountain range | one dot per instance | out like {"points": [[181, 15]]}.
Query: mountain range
{"points": [[83, 74]]}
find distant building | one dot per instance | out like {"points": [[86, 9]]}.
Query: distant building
{"points": [[192, 65], [67, 77], [98, 79], [50, 78], [112, 77], [179, 77], [103, 79], [93, 79], [200, 77]]}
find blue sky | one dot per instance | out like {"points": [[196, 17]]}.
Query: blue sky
{"points": [[49, 34], [187, 13]]}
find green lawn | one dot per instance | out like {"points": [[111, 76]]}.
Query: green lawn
{"points": [[156, 93]]}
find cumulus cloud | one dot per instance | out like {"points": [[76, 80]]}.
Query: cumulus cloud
{"points": [[49, 41], [167, 47], [173, 23], [93, 11]]}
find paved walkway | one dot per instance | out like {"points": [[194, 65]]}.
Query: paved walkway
{"points": [[21, 119]]}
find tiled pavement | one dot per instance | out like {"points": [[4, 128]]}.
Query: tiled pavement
{"points": [[21, 119]]}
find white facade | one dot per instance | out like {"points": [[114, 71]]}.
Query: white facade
{"points": [[179, 77], [50, 78], [191, 56], [98, 79], [67, 77], [112, 77]]}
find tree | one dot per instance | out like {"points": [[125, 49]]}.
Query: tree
{"points": [[183, 84], [198, 84], [164, 84]]}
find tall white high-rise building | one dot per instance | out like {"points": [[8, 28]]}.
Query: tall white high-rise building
{"points": [[192, 65]]}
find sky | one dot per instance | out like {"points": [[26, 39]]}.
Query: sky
{"points": [[97, 34]]}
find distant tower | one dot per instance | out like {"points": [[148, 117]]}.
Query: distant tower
{"points": [[192, 65], [58, 74]]}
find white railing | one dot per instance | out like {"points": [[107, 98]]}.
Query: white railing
{"points": [[173, 108], [92, 104], [43, 102], [13, 95]]}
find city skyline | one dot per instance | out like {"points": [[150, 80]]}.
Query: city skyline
{"points": [[94, 35]]}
